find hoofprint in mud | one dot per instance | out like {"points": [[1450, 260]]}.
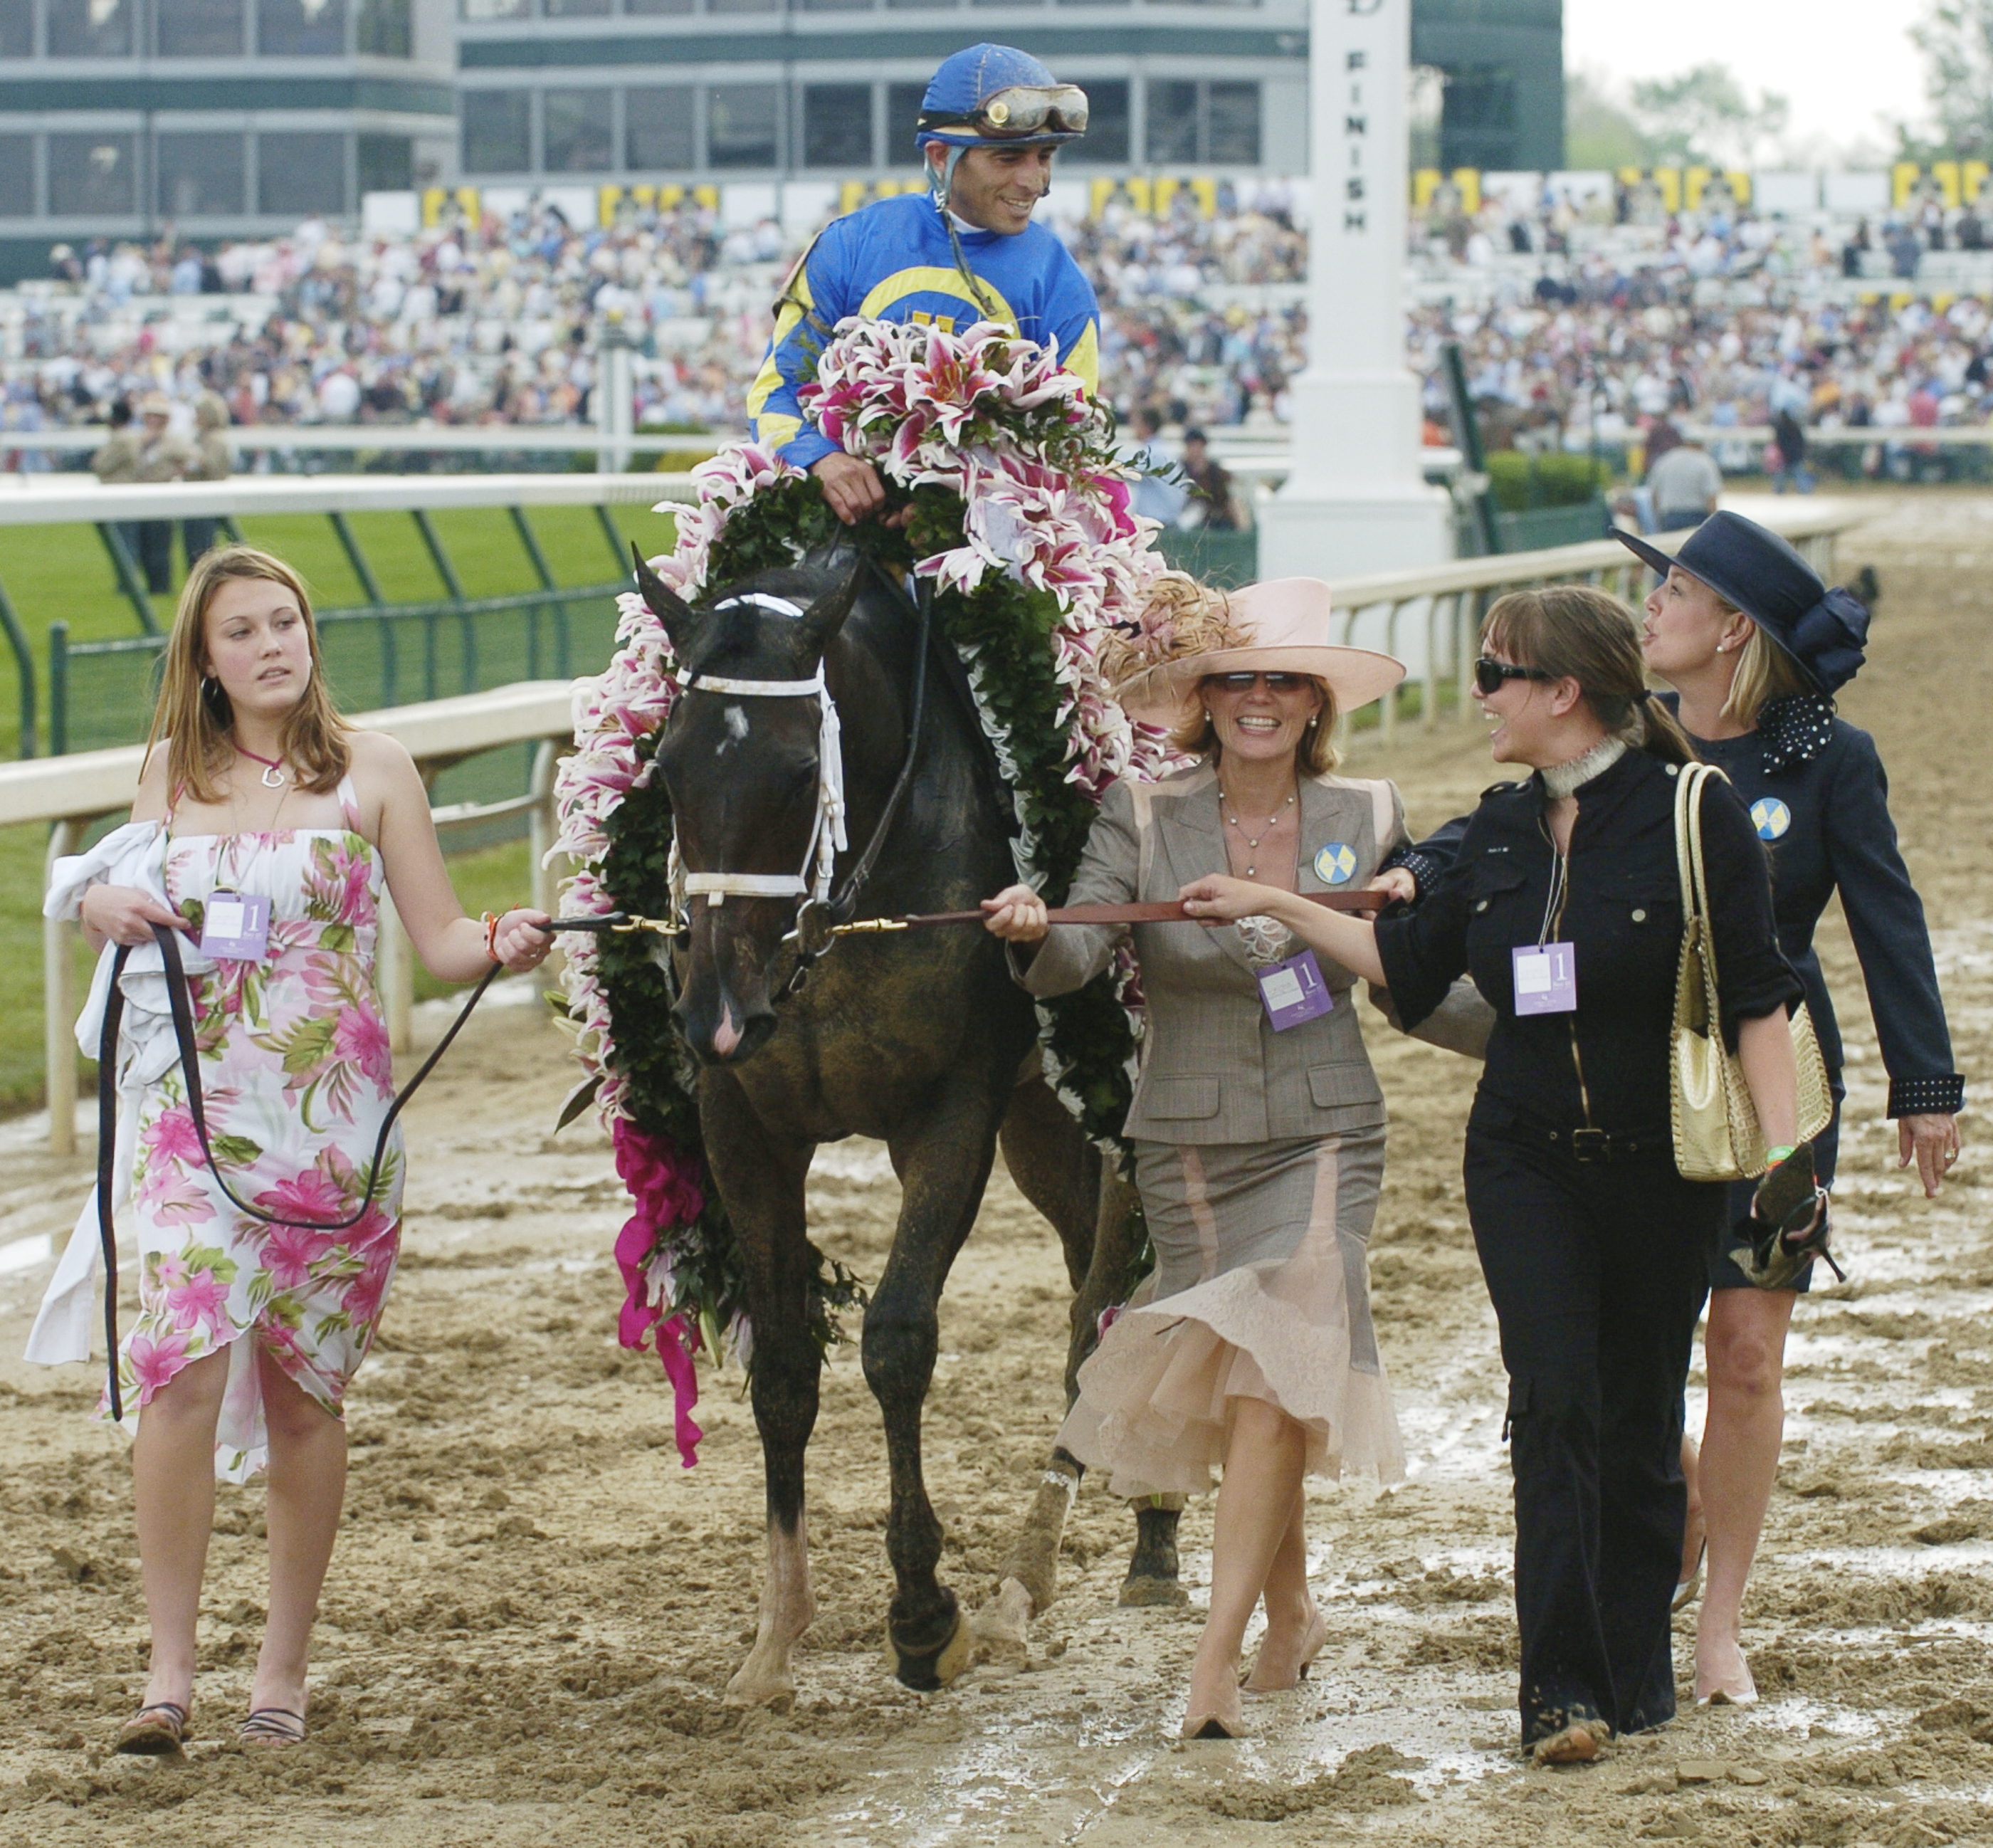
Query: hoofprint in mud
{"points": [[770, 732]]}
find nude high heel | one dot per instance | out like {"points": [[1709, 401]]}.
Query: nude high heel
{"points": [[1317, 1635]]}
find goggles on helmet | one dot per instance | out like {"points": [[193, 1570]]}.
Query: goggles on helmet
{"points": [[1021, 111]]}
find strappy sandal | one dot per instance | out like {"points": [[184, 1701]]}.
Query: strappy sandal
{"points": [[1787, 1228], [156, 1731], [272, 1726]]}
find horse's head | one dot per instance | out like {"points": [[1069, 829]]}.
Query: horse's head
{"points": [[743, 772]]}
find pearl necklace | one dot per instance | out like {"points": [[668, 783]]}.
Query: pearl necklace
{"points": [[1253, 841]]}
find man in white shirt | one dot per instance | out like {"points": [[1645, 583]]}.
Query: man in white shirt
{"points": [[1685, 484]]}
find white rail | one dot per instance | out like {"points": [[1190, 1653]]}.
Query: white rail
{"points": [[1446, 601], [34, 500], [72, 791], [419, 438]]}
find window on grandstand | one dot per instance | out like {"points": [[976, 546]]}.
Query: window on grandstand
{"points": [[17, 28], [837, 6], [480, 10], [387, 163], [923, 3], [1189, 123], [742, 6], [1172, 126], [575, 133], [90, 28], [17, 175], [386, 28], [741, 125], [301, 28], [656, 6], [658, 129], [497, 132], [1106, 143], [1232, 131], [200, 29], [903, 113], [837, 125], [199, 174], [577, 9], [301, 171], [91, 173]]}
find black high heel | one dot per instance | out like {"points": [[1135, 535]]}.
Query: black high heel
{"points": [[1787, 1226]]}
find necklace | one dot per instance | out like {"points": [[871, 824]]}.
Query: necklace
{"points": [[1253, 840], [279, 780]]}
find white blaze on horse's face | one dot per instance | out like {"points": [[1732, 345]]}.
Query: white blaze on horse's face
{"points": [[735, 718]]}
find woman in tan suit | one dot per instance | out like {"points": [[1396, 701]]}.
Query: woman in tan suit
{"points": [[1258, 1124]]}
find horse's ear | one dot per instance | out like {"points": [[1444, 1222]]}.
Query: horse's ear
{"points": [[680, 619], [825, 616]]}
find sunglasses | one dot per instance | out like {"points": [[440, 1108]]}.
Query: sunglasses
{"points": [[1242, 683], [1489, 673], [1025, 110]]}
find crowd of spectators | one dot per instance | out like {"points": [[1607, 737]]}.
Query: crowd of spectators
{"points": [[1585, 322]]}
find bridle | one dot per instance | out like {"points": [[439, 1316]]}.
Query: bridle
{"points": [[818, 913]]}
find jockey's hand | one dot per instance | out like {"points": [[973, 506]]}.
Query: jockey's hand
{"points": [[1016, 914], [854, 491], [852, 488], [122, 914]]}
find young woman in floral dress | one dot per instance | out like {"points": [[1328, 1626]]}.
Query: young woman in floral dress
{"points": [[249, 1333]]}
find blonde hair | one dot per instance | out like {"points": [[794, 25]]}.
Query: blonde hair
{"points": [[1765, 671], [1315, 755], [1581, 633], [194, 715]]}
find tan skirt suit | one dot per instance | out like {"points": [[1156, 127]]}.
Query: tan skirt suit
{"points": [[1259, 1155]]}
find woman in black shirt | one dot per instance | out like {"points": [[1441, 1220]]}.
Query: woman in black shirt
{"points": [[1591, 1243]]}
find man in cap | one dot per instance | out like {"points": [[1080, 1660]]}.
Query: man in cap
{"points": [[965, 251]]}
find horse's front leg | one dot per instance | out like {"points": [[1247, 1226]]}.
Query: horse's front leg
{"points": [[762, 1179], [944, 1162]]}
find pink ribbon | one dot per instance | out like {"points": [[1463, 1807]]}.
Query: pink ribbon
{"points": [[667, 1195]]}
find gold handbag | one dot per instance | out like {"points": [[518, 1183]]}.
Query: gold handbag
{"points": [[1715, 1123]]}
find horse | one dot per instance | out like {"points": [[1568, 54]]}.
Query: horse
{"points": [[920, 1040]]}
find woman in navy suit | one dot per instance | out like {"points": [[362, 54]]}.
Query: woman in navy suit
{"points": [[1755, 646]]}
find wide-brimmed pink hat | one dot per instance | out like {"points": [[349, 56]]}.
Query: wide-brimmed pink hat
{"points": [[1288, 620]]}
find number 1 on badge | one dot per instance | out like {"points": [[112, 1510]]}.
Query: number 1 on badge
{"points": [[1546, 977]]}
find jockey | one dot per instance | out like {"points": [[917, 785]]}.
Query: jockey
{"points": [[966, 251]]}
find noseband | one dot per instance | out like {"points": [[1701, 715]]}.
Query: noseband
{"points": [[818, 913]]}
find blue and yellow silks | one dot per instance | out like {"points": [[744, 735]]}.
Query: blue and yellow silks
{"points": [[891, 261]]}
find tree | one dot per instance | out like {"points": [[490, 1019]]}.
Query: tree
{"points": [[1704, 117], [1598, 132], [1956, 37]]}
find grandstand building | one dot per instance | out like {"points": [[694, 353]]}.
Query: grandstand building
{"points": [[231, 118], [224, 118], [773, 90]]}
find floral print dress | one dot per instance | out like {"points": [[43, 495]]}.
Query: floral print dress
{"points": [[296, 1075]]}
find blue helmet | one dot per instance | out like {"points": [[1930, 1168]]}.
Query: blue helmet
{"points": [[993, 96]]}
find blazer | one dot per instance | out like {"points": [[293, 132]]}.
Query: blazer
{"points": [[1212, 1068]]}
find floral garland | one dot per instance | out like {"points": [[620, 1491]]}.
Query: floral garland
{"points": [[1020, 515]]}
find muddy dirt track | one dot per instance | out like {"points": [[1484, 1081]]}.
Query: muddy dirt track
{"points": [[534, 1608]]}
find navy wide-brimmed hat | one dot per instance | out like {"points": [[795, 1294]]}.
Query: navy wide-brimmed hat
{"points": [[1748, 565]]}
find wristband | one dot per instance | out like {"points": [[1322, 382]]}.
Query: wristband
{"points": [[490, 920], [1783, 1152]]}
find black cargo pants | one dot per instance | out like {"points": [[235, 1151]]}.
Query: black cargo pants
{"points": [[1597, 1267]]}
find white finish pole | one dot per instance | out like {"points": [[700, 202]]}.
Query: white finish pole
{"points": [[1356, 501]]}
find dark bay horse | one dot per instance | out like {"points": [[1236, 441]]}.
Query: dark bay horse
{"points": [[921, 1041]]}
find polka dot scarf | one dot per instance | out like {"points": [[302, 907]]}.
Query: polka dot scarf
{"points": [[1794, 730]]}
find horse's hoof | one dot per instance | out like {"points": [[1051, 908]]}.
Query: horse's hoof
{"points": [[935, 1669], [754, 1685], [1002, 1627], [1148, 1593]]}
